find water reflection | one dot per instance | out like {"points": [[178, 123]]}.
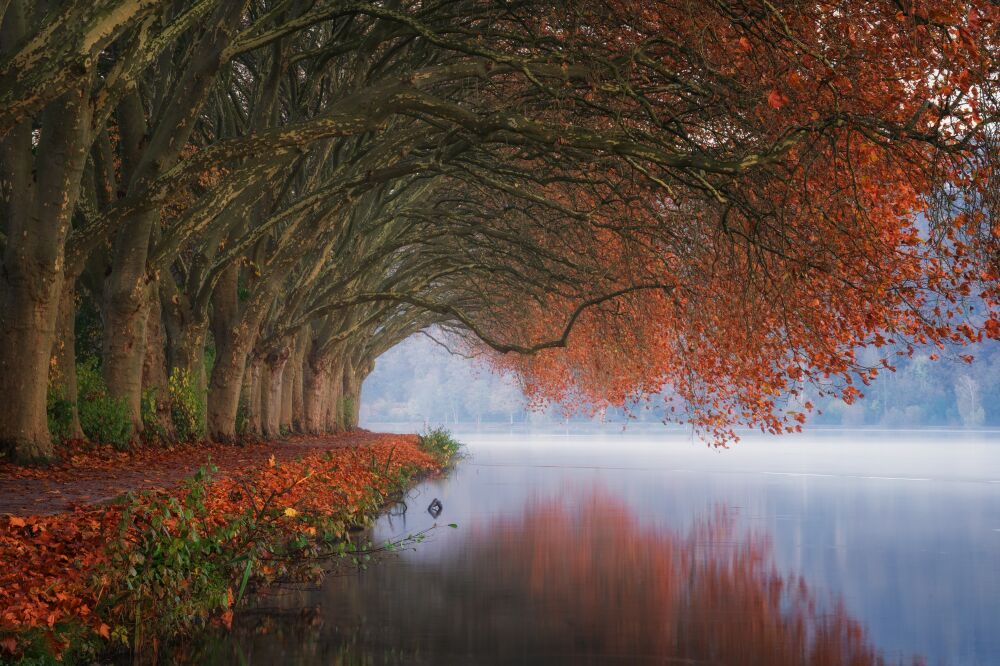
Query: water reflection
{"points": [[570, 580]]}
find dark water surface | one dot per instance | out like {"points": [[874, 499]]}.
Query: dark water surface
{"points": [[861, 548]]}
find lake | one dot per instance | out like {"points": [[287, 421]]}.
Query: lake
{"points": [[639, 548]]}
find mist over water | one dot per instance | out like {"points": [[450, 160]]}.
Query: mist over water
{"points": [[837, 547]]}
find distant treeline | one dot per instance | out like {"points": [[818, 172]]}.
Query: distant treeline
{"points": [[420, 381]]}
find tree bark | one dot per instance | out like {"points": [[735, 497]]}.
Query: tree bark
{"points": [[154, 372], [272, 383], [252, 384], [63, 363], [127, 303], [234, 334], [316, 395], [287, 380], [335, 408], [37, 208], [298, 383], [350, 401]]}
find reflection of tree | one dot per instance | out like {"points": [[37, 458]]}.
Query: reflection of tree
{"points": [[578, 582], [597, 583]]}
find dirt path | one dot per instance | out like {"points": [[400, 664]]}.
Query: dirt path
{"points": [[94, 477]]}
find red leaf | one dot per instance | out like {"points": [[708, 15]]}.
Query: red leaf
{"points": [[776, 99]]}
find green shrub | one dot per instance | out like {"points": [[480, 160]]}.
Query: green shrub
{"points": [[169, 567], [187, 406], [152, 427], [59, 411], [439, 443], [103, 418]]}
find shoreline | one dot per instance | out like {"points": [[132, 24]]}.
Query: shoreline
{"points": [[162, 561]]}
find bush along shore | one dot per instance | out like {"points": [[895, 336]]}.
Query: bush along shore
{"points": [[158, 565]]}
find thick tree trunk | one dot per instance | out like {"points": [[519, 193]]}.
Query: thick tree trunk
{"points": [[231, 352], [225, 387], [35, 209], [127, 300], [316, 395]]}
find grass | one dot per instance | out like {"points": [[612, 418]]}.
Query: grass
{"points": [[440, 443]]}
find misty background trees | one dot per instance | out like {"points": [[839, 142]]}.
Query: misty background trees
{"points": [[419, 381]]}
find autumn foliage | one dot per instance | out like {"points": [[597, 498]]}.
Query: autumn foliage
{"points": [[868, 218], [91, 570]]}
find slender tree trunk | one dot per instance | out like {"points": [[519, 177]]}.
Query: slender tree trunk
{"points": [[154, 373], [287, 384], [63, 363], [186, 355], [254, 407]]}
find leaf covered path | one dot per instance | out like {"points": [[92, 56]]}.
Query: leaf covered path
{"points": [[76, 571], [93, 477]]}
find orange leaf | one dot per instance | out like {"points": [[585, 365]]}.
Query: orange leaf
{"points": [[776, 99]]}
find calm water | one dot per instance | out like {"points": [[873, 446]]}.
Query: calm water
{"points": [[859, 548]]}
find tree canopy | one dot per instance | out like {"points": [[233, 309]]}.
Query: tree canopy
{"points": [[254, 199]]}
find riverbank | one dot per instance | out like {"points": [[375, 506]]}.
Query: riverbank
{"points": [[127, 551]]}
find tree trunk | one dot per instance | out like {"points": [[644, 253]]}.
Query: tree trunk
{"points": [[127, 300], [36, 209], [272, 382], [252, 383], [63, 363], [298, 383], [335, 405], [316, 395], [224, 390], [287, 380], [154, 377], [234, 340], [351, 397]]}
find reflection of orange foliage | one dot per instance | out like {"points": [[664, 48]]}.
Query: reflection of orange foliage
{"points": [[47, 563], [609, 586]]}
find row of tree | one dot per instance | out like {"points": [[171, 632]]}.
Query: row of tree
{"points": [[716, 195]]}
